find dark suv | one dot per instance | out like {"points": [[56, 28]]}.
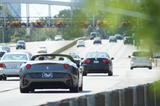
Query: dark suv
{"points": [[21, 44]]}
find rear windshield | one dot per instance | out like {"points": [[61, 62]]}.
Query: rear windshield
{"points": [[20, 42], [97, 55], [141, 54], [97, 38], [1, 54], [14, 57]]}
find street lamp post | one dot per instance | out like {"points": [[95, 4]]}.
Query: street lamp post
{"points": [[4, 21]]}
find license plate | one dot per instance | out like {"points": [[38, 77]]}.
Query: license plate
{"points": [[47, 75], [96, 61]]}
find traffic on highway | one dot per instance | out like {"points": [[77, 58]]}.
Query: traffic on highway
{"points": [[79, 53], [85, 70]]}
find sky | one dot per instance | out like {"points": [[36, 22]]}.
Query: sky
{"points": [[41, 10]]}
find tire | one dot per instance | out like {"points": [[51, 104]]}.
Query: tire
{"points": [[131, 68], [24, 90], [74, 89], [4, 77], [81, 87], [150, 68], [1, 78], [84, 73], [110, 73]]}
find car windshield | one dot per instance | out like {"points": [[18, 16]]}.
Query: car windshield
{"points": [[42, 47], [20, 42], [97, 38], [93, 33], [112, 37], [141, 54], [97, 55], [15, 57], [80, 41]]}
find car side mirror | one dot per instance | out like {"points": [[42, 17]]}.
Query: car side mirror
{"points": [[112, 58], [82, 58]]}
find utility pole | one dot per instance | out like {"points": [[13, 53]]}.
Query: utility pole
{"points": [[4, 22], [49, 16], [93, 21], [28, 29]]}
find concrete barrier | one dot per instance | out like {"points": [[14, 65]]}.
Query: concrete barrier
{"points": [[141, 95], [128, 95], [150, 94], [115, 98], [100, 99], [69, 45], [82, 101], [157, 93]]}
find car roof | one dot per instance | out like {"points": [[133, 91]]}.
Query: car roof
{"points": [[18, 53]]}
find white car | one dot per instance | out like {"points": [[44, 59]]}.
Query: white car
{"points": [[58, 37], [4, 47], [140, 59], [42, 49], [11, 62], [80, 43]]}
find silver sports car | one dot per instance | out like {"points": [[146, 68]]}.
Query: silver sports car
{"points": [[10, 63], [50, 71]]}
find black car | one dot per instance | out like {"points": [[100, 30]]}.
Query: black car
{"points": [[118, 36], [97, 40], [93, 35], [128, 40], [20, 44], [50, 71], [97, 62]]}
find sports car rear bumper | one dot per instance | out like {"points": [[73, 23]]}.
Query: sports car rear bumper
{"points": [[56, 83]]}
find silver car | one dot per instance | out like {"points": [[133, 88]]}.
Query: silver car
{"points": [[140, 59], [80, 43], [10, 63], [42, 49], [4, 47]]}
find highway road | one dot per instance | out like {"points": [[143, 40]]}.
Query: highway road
{"points": [[93, 83], [51, 46]]}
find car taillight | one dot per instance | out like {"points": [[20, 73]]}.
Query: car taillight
{"points": [[2, 66], [105, 60], [66, 66], [28, 66], [87, 61]]}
